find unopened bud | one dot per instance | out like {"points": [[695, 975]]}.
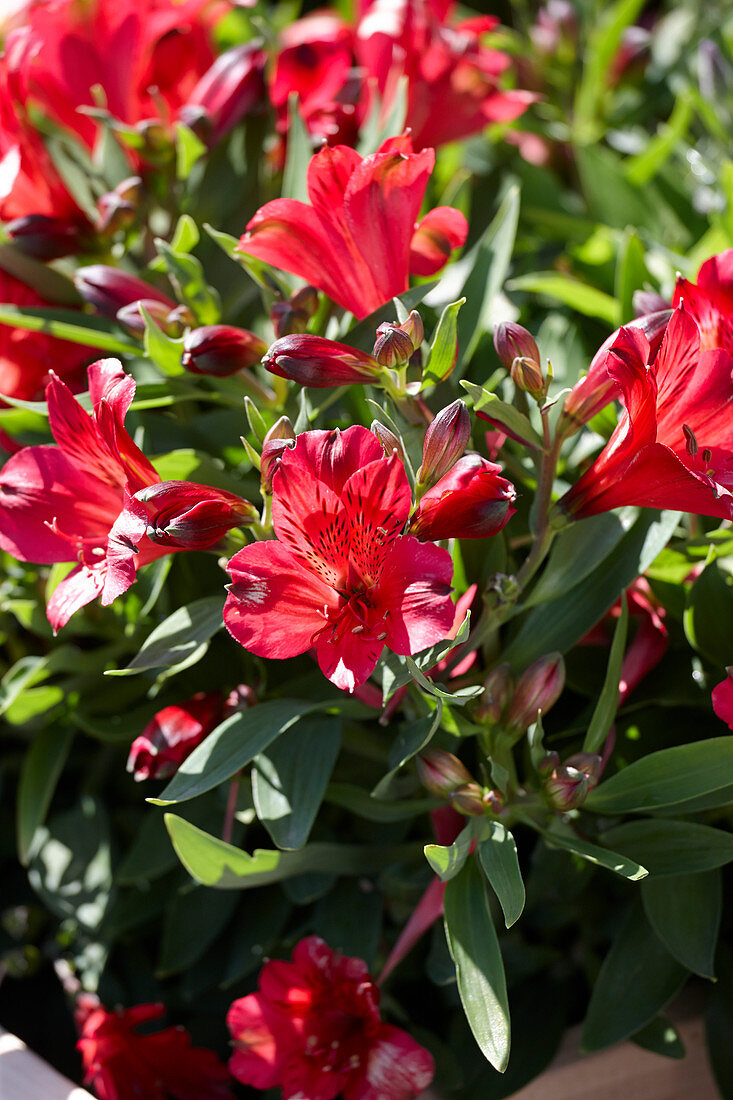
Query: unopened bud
{"points": [[315, 361], [221, 350], [43, 237], [171, 321], [445, 441], [188, 516], [512, 342], [469, 800], [226, 92], [498, 689], [538, 689], [117, 208], [108, 289], [292, 316], [648, 301], [272, 452], [281, 429], [569, 784], [414, 328], [527, 375], [393, 347], [442, 773], [390, 442]]}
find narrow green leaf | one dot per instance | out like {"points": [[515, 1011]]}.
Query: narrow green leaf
{"points": [[189, 150], [497, 854], [474, 947], [187, 275], [447, 860], [359, 802], [411, 739], [708, 615], [68, 324], [666, 777], [444, 348], [685, 912], [637, 979], [290, 778], [177, 637], [594, 853], [194, 920], [669, 847], [39, 775], [299, 153], [507, 415], [604, 41], [640, 169], [164, 351], [586, 299], [631, 273], [215, 863], [607, 705]]}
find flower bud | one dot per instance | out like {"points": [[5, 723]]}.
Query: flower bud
{"points": [[317, 362], [116, 209], [442, 773], [538, 689], [172, 735], [569, 784], [171, 321], [498, 688], [278, 439], [648, 301], [471, 501], [226, 92], [469, 800], [108, 289], [292, 316], [186, 516], [393, 347], [390, 442], [445, 441], [414, 328], [527, 375], [512, 342], [43, 237], [221, 350]]}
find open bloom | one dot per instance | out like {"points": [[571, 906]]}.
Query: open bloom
{"points": [[710, 301], [121, 1064], [172, 735], [341, 578], [59, 503], [673, 447], [314, 1030], [723, 698], [471, 501], [359, 238]]}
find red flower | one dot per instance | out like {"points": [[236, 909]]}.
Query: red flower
{"points": [[314, 63], [710, 301], [172, 735], [59, 503], [358, 240], [26, 357], [314, 1030], [723, 698], [226, 93], [472, 501], [452, 79], [121, 1064], [341, 578], [673, 447]]}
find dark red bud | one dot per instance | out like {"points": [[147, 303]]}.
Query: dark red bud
{"points": [[538, 689], [43, 237], [221, 350], [393, 347], [272, 452], [512, 341], [445, 441], [442, 773], [527, 375], [187, 516], [315, 361], [108, 289], [171, 321], [226, 92], [117, 209], [292, 316], [569, 784], [469, 800]]}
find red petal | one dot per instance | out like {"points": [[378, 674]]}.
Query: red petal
{"points": [[415, 592], [723, 699], [333, 456], [435, 237], [78, 589], [312, 523], [350, 660], [377, 500], [397, 1068]]}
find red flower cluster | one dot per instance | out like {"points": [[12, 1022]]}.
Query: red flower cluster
{"points": [[172, 735], [121, 1064], [314, 1030]]}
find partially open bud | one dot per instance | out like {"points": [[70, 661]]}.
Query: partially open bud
{"points": [[108, 289], [472, 501], [117, 208], [278, 439], [186, 516], [648, 301], [317, 362], [445, 441], [538, 689], [569, 784], [390, 442], [292, 316], [172, 735], [498, 689], [221, 350], [226, 92], [43, 237], [512, 341], [414, 328], [393, 347]]}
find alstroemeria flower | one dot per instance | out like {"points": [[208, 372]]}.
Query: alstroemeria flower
{"points": [[673, 446], [226, 93], [172, 735], [472, 501], [452, 89], [710, 301], [359, 238], [313, 63], [341, 577], [314, 1030], [120, 1063], [60, 503], [723, 698]]}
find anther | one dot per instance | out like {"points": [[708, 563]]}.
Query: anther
{"points": [[691, 441]]}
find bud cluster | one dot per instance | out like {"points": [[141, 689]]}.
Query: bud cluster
{"points": [[443, 774], [568, 785], [515, 707], [518, 352], [396, 344]]}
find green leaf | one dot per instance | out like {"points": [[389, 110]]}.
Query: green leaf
{"points": [[194, 919], [586, 299], [598, 55], [298, 156], [708, 615], [290, 778], [444, 348], [377, 127], [396, 672], [670, 847], [594, 853], [177, 637], [231, 746], [645, 165], [666, 777], [631, 273], [507, 415], [487, 264], [39, 775], [359, 802], [164, 351], [497, 854], [637, 979], [685, 912], [558, 624], [215, 863], [474, 947], [607, 705], [447, 860], [69, 324], [411, 739], [189, 150], [661, 1037], [187, 276]]}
